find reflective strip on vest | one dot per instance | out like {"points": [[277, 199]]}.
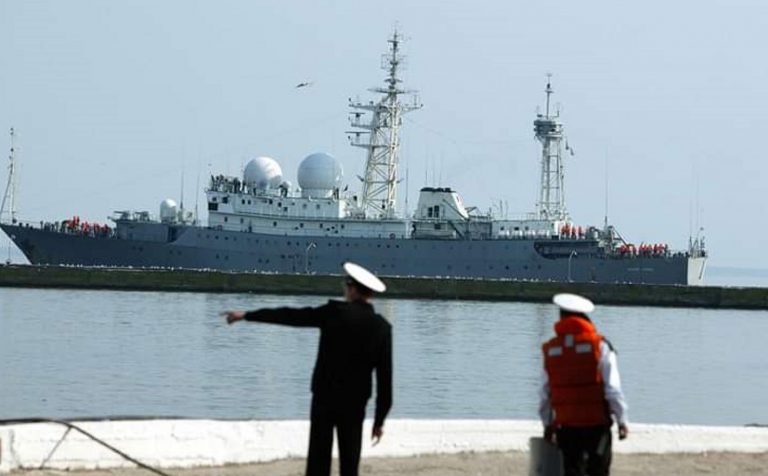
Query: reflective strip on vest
{"points": [[569, 340], [583, 348], [555, 351]]}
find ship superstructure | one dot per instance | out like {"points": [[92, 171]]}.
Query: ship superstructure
{"points": [[260, 222]]}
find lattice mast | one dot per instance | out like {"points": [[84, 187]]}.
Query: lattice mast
{"points": [[549, 131], [381, 136], [9, 197]]}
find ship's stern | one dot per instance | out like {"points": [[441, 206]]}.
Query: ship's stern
{"points": [[696, 267]]}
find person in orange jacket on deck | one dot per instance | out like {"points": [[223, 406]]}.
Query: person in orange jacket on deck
{"points": [[581, 391]]}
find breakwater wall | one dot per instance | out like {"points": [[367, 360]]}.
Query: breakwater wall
{"points": [[399, 287], [193, 443]]}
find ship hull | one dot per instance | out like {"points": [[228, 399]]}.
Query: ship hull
{"points": [[157, 245]]}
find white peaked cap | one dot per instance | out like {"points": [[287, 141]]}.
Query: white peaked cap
{"points": [[364, 277], [573, 303]]}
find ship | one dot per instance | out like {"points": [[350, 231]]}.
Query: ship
{"points": [[259, 222]]}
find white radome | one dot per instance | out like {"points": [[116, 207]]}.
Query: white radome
{"points": [[319, 174], [168, 210], [263, 173]]}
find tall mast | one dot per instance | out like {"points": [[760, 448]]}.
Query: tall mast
{"points": [[381, 136], [549, 131], [10, 188]]}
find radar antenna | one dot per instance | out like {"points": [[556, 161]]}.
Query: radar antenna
{"points": [[549, 131], [381, 136], [9, 196]]}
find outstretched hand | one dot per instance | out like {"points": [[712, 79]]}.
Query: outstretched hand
{"points": [[233, 316], [376, 434]]}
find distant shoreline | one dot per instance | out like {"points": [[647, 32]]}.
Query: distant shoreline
{"points": [[178, 280]]}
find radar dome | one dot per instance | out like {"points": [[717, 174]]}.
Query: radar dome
{"points": [[319, 174], [168, 210], [262, 173]]}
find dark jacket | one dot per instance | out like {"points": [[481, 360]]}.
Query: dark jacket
{"points": [[354, 341]]}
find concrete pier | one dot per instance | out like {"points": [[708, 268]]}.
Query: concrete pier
{"points": [[195, 443], [399, 287]]}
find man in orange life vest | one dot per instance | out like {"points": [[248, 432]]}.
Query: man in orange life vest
{"points": [[581, 390]]}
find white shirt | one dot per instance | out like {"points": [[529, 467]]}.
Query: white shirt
{"points": [[609, 370]]}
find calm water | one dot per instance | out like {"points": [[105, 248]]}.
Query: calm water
{"points": [[93, 353]]}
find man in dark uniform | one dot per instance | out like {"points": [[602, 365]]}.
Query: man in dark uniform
{"points": [[354, 341], [581, 391]]}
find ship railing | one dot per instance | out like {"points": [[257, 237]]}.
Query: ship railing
{"points": [[99, 231]]}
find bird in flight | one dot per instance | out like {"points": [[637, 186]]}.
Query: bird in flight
{"points": [[304, 84]]}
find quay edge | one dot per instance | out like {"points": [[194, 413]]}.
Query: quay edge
{"points": [[182, 280]]}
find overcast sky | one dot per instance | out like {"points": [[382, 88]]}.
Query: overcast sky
{"points": [[667, 100]]}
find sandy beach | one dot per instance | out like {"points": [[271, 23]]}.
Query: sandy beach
{"points": [[476, 464]]}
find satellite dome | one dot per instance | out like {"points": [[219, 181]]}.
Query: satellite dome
{"points": [[168, 210], [319, 174], [262, 173]]}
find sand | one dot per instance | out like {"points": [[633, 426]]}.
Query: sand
{"points": [[485, 464]]}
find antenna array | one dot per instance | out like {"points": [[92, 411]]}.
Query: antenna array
{"points": [[381, 136]]}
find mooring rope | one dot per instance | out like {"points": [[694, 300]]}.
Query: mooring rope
{"points": [[72, 426]]}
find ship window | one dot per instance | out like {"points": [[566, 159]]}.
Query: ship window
{"points": [[321, 225], [506, 267], [342, 227], [438, 226], [274, 223], [429, 212], [304, 206], [242, 201], [226, 219], [301, 225], [317, 206], [249, 202], [217, 237], [270, 201], [213, 199], [225, 200], [279, 204], [517, 228], [226, 238], [242, 221], [285, 209]]}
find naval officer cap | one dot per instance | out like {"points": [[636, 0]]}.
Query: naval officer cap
{"points": [[573, 303], [364, 277]]}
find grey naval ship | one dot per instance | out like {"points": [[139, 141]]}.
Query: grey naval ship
{"points": [[258, 222]]}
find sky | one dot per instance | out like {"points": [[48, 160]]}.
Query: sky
{"points": [[663, 103]]}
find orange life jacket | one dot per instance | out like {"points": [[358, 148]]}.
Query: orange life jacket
{"points": [[576, 386]]}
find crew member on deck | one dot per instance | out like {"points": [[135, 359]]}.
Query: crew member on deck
{"points": [[354, 341], [581, 392]]}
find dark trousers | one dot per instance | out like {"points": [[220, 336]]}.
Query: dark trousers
{"points": [[347, 418], [586, 451]]}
